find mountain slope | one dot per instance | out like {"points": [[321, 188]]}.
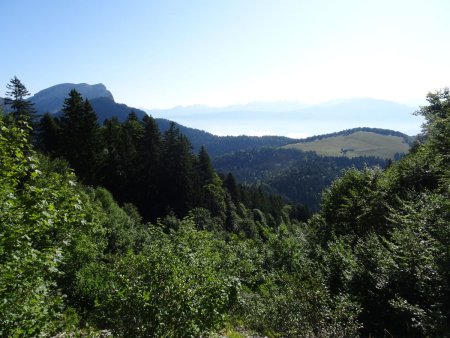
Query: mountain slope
{"points": [[357, 142], [107, 108], [301, 171], [297, 175], [51, 100]]}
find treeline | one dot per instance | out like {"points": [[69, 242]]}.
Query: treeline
{"points": [[373, 262]]}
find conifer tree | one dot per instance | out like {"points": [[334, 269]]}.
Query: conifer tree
{"points": [[113, 172], [149, 152], [232, 187], [80, 136], [20, 107], [47, 137], [205, 168], [150, 147], [177, 171]]}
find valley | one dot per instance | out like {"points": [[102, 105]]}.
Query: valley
{"points": [[117, 222], [297, 169], [225, 169]]}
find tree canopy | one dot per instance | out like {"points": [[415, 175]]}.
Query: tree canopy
{"points": [[176, 250]]}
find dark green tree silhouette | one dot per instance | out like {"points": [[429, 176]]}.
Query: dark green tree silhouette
{"points": [[177, 188], [80, 136], [205, 168], [48, 135], [232, 187], [21, 108], [148, 187]]}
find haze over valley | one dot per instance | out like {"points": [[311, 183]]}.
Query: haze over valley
{"points": [[294, 119]]}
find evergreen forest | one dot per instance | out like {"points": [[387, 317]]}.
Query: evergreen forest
{"points": [[122, 230]]}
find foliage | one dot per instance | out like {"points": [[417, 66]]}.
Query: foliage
{"points": [[384, 235], [174, 287], [38, 209], [373, 261]]}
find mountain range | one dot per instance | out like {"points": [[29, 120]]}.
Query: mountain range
{"points": [[51, 100], [295, 119], [248, 116], [298, 169]]}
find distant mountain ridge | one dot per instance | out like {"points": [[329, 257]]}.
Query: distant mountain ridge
{"points": [[276, 106], [52, 99], [296, 119]]}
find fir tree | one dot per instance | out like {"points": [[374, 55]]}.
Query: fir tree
{"points": [[47, 137], [232, 187], [149, 152], [177, 171], [80, 136], [21, 108], [205, 168]]}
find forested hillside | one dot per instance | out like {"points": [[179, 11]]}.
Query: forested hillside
{"points": [[175, 250], [296, 175]]}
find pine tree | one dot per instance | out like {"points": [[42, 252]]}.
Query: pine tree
{"points": [[205, 168], [124, 143], [80, 136], [232, 187], [149, 153], [150, 147], [47, 137], [21, 108], [113, 172], [177, 172]]}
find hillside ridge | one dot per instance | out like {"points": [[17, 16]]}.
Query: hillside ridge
{"points": [[52, 99]]}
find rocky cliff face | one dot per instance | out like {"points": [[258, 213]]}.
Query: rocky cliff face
{"points": [[51, 100]]}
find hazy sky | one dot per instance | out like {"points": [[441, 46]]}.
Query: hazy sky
{"points": [[158, 54]]}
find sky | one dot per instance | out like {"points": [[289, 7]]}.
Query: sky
{"points": [[165, 53]]}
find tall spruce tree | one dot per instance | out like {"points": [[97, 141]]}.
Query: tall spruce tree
{"points": [[21, 108], [114, 175], [149, 152], [205, 168], [80, 136], [177, 172], [48, 135], [232, 187]]}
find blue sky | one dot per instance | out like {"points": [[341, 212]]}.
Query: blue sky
{"points": [[159, 54]]}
